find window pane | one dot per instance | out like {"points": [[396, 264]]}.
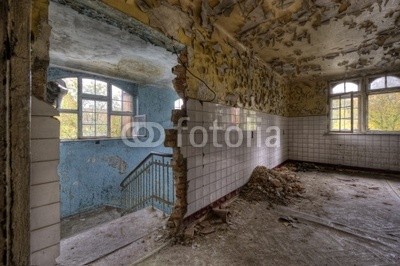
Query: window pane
{"points": [[96, 87], [393, 82], [68, 126], [346, 113], [116, 93], [335, 103], [88, 130], [70, 100], [335, 125], [178, 104], [345, 102], [335, 114], [94, 118], [116, 105], [101, 131], [88, 105], [101, 88], [121, 100], [378, 83], [345, 87], [350, 87], [117, 123], [88, 118], [88, 86], [338, 88], [356, 110], [101, 107], [384, 112], [341, 113], [345, 125], [101, 119], [127, 107]]}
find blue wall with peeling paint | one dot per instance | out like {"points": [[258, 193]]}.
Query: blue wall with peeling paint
{"points": [[91, 170]]}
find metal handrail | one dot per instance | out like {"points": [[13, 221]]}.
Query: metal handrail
{"points": [[151, 183], [151, 154]]}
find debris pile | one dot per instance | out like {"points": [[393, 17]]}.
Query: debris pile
{"points": [[276, 186]]}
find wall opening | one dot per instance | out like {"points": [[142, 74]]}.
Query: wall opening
{"points": [[104, 81]]}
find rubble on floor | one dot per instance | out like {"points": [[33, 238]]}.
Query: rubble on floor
{"points": [[276, 186], [215, 220], [302, 166]]}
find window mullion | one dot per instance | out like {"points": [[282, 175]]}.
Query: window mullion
{"points": [[364, 106], [351, 113], [340, 113], [80, 135], [109, 109]]}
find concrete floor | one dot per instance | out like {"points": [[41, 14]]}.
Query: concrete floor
{"points": [[84, 221], [118, 242], [344, 218]]}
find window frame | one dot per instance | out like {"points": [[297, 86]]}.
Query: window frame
{"points": [[363, 94], [351, 95], [85, 96]]}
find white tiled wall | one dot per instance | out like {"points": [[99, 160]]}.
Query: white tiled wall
{"points": [[308, 141], [45, 190], [214, 172]]}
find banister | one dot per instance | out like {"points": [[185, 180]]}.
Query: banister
{"points": [[161, 154]]}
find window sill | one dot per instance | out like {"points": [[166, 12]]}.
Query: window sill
{"points": [[95, 139], [379, 133]]}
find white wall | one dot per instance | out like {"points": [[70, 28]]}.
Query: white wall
{"points": [[45, 190], [215, 172], [308, 141]]}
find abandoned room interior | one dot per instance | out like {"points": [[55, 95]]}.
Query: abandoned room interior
{"points": [[205, 132]]}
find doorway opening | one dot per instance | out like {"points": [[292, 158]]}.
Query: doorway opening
{"points": [[107, 82]]}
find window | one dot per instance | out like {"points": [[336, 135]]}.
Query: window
{"points": [[384, 104], [93, 109], [178, 104], [374, 107], [344, 102]]}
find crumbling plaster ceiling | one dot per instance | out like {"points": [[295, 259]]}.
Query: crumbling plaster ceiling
{"points": [[83, 43], [301, 38]]}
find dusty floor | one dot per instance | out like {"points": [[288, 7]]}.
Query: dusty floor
{"points": [[79, 223], [118, 242], [343, 218]]}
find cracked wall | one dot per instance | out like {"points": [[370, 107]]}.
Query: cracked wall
{"points": [[307, 97], [40, 32], [234, 73]]}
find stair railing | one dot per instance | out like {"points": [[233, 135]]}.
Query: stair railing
{"points": [[151, 183]]}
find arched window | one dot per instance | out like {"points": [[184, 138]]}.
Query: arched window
{"points": [[93, 108], [372, 105], [344, 102], [384, 83]]}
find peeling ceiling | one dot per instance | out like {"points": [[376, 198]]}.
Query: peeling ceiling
{"points": [[83, 43], [297, 38], [301, 38]]}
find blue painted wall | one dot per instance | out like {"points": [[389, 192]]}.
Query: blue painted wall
{"points": [[91, 171]]}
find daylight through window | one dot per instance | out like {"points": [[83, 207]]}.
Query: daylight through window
{"points": [[93, 109], [374, 107]]}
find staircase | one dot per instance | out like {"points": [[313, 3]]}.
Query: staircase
{"points": [[151, 183]]}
